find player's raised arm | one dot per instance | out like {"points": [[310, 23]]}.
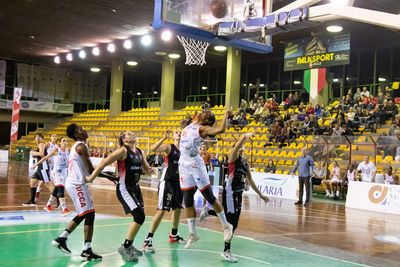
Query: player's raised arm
{"points": [[119, 154], [159, 147], [217, 129], [234, 153], [52, 153]]}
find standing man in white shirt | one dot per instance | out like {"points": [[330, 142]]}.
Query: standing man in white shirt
{"points": [[367, 170]]}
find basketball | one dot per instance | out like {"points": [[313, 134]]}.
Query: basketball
{"points": [[219, 9]]}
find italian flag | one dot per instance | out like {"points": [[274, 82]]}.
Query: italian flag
{"points": [[314, 81]]}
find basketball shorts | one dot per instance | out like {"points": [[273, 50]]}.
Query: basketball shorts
{"points": [[81, 197], [232, 203], [59, 177], [58, 191], [193, 174], [42, 175], [130, 197], [169, 194]]}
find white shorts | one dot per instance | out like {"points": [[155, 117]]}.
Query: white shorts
{"points": [[59, 177], [81, 197], [193, 174]]}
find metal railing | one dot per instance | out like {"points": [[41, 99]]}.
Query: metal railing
{"points": [[196, 98], [139, 101]]}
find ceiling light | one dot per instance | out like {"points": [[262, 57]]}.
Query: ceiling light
{"points": [[82, 54], [131, 63], [57, 60], [335, 80], [296, 82], [139, 93], [146, 40], [94, 69], [127, 44], [155, 92], [220, 48], [381, 79], [166, 35], [204, 88], [32, 37], [262, 85], [111, 48], [174, 56], [334, 28], [96, 51], [160, 53], [69, 57]]}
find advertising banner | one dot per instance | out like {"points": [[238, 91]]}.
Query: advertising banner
{"points": [[15, 114], [317, 52], [374, 197]]}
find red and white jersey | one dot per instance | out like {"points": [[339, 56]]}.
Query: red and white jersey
{"points": [[51, 159], [60, 167], [76, 168], [190, 142]]}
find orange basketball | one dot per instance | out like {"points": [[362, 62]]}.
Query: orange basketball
{"points": [[219, 8]]}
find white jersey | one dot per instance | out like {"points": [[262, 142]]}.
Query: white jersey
{"points": [[190, 142], [367, 170], [336, 174], [389, 179], [51, 159], [60, 167], [350, 175], [76, 168]]}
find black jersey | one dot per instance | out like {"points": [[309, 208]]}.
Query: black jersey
{"points": [[237, 172], [43, 165], [129, 170], [171, 162]]}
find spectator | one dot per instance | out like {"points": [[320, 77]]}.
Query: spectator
{"points": [[337, 131], [395, 126], [296, 98], [334, 182], [214, 162], [270, 168], [244, 105], [258, 113], [390, 177], [224, 165], [242, 121], [207, 103], [350, 174], [367, 170], [365, 92], [255, 98], [350, 93], [320, 173], [351, 114], [289, 101], [357, 95], [302, 116], [292, 133], [325, 112], [252, 107], [301, 107], [205, 155], [275, 132], [304, 163], [380, 98], [310, 109]]}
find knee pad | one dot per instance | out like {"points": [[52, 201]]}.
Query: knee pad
{"points": [[208, 195], [138, 215], [188, 196], [89, 219], [78, 219]]}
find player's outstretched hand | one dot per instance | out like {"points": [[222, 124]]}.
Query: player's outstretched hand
{"points": [[168, 133], [265, 198], [249, 135], [88, 180], [110, 176]]}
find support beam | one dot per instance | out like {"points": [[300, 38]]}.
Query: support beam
{"points": [[167, 86], [117, 75], [233, 66]]}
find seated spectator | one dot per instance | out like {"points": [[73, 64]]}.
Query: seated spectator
{"points": [[258, 113], [288, 101], [310, 110], [356, 95], [319, 173], [350, 93], [207, 103], [301, 108], [252, 107], [318, 111], [367, 170], [276, 131], [337, 131], [391, 110], [395, 126], [365, 92], [292, 133], [351, 114], [255, 98], [302, 116], [242, 121], [348, 102], [350, 175], [296, 98], [243, 105], [390, 177], [381, 98], [334, 182], [305, 127], [374, 119], [270, 168], [214, 162], [325, 112]]}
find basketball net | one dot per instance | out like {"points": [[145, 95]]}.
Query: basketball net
{"points": [[195, 50]]}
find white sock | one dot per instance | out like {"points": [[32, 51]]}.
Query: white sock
{"points": [[222, 218], [337, 193], [327, 192], [38, 189], [64, 234], [192, 225], [63, 206], [86, 245], [50, 201]]}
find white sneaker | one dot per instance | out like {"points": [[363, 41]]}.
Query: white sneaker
{"points": [[228, 256], [148, 245], [204, 213], [327, 195], [228, 232], [192, 239]]}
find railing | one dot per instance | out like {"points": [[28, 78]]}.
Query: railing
{"points": [[82, 107], [139, 101], [196, 98], [280, 93]]}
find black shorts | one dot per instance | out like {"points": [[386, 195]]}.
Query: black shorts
{"points": [[232, 203], [170, 195], [58, 191], [42, 175], [130, 197]]}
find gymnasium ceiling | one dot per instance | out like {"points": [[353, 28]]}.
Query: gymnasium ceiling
{"points": [[34, 30]]}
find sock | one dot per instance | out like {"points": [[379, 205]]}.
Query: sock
{"points": [[65, 234], [63, 206], [337, 193], [222, 218], [128, 243], [212, 213], [87, 245], [38, 189], [327, 192], [192, 225], [227, 246], [50, 201], [33, 193], [174, 231], [150, 235]]}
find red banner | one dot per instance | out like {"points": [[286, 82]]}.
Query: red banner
{"points": [[15, 114]]}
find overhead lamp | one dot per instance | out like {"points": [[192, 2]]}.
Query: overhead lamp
{"points": [[131, 63], [111, 48], [96, 51], [334, 28], [335, 80], [146, 40], [204, 88], [160, 53], [94, 69], [174, 56], [296, 82], [127, 44], [166, 35], [220, 48], [138, 93], [381, 79], [69, 57], [262, 85], [82, 54], [155, 92], [57, 60]]}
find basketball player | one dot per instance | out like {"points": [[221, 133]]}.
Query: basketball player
{"points": [[131, 161], [49, 147], [42, 173], [238, 168], [169, 190], [79, 166], [60, 157], [193, 172]]}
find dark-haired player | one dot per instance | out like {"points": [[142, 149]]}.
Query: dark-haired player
{"points": [[193, 172], [233, 189], [169, 190], [131, 161], [41, 174], [79, 166]]}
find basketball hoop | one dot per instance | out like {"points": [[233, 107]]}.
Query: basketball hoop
{"points": [[195, 50]]}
